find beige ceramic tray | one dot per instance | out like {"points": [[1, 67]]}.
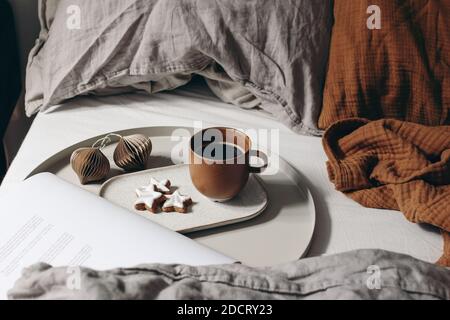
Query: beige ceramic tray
{"points": [[203, 214], [281, 233]]}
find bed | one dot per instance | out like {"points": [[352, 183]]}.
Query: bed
{"points": [[341, 224], [288, 74]]}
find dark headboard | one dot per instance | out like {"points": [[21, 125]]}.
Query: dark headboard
{"points": [[10, 73]]}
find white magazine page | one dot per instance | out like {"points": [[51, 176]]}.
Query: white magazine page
{"points": [[46, 219]]}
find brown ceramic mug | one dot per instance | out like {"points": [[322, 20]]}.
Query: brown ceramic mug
{"points": [[220, 162]]}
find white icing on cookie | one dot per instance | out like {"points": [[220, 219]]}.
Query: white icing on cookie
{"points": [[176, 200], [145, 190], [149, 199], [160, 185]]}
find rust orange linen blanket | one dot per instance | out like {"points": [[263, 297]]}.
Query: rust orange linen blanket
{"points": [[392, 164], [401, 70]]}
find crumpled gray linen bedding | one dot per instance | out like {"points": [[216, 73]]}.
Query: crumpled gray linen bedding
{"points": [[266, 53], [361, 274]]}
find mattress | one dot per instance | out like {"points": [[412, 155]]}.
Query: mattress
{"points": [[341, 224]]}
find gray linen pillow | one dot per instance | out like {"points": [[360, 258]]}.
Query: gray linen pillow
{"points": [[273, 51]]}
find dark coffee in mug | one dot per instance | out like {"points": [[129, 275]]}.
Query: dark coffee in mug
{"points": [[219, 151]]}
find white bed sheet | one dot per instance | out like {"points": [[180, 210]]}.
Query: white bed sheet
{"points": [[342, 224]]}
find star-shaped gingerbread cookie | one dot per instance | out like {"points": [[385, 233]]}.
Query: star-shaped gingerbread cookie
{"points": [[176, 202], [148, 200], [162, 186]]}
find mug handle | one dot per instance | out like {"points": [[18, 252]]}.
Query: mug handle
{"points": [[262, 156]]}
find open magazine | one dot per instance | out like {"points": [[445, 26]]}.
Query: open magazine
{"points": [[45, 219]]}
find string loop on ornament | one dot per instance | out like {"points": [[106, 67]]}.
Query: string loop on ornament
{"points": [[106, 140]]}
